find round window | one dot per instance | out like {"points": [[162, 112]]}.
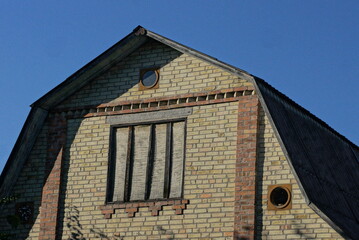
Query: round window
{"points": [[280, 197], [149, 78]]}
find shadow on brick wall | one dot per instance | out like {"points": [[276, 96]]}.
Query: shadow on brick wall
{"points": [[68, 219], [45, 168], [259, 177], [77, 232]]}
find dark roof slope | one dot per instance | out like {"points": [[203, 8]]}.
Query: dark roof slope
{"points": [[325, 163]]}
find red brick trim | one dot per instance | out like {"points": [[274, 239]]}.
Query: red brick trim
{"points": [[154, 206], [162, 103], [244, 222], [52, 181]]}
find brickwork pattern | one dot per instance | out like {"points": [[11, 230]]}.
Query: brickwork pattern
{"points": [[246, 167], [52, 180], [28, 188], [160, 103], [180, 75], [209, 182], [210, 157], [155, 207], [301, 222]]}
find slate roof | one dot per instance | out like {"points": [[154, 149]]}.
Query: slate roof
{"points": [[325, 163]]}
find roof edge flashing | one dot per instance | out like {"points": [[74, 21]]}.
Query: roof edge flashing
{"points": [[328, 220], [101, 61], [214, 61], [22, 147]]}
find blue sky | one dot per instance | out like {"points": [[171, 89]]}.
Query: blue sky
{"points": [[309, 50]]}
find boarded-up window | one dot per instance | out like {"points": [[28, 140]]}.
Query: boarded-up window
{"points": [[147, 162]]}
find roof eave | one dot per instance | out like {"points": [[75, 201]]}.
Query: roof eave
{"points": [[22, 148], [192, 52], [92, 69], [115, 54], [40, 108]]}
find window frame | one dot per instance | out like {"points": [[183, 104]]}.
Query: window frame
{"points": [[287, 205], [143, 71], [112, 161]]}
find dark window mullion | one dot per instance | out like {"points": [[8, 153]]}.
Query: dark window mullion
{"points": [[112, 168], [150, 161], [168, 164], [129, 164]]}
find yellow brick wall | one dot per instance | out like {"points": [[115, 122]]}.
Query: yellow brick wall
{"points": [[208, 182], [179, 74], [301, 222], [28, 188], [209, 162], [210, 157]]}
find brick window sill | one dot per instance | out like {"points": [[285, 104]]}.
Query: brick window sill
{"points": [[154, 206]]}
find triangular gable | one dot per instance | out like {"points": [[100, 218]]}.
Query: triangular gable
{"points": [[115, 54], [83, 76]]}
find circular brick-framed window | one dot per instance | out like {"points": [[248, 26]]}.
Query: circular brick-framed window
{"points": [[149, 78], [279, 197]]}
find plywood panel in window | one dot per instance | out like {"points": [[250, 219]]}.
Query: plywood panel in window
{"points": [[120, 163], [177, 159], [159, 162], [140, 155]]}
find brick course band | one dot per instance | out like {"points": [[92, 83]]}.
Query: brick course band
{"points": [[153, 104], [153, 206], [244, 222]]}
